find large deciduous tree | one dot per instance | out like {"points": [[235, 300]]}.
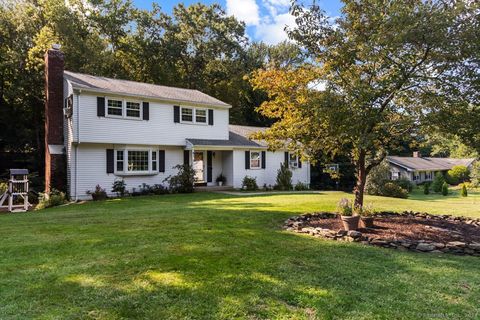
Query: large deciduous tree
{"points": [[375, 73]]}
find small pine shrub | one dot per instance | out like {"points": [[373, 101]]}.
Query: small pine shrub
{"points": [[284, 177], [249, 183], [464, 191], [426, 188], [393, 190], [445, 189], [438, 182], [183, 181], [119, 187], [300, 186]]}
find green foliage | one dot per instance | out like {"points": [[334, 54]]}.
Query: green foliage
{"points": [[445, 189], [426, 188], [98, 194], [52, 199], [119, 187], [475, 175], [3, 187], [438, 182], [377, 178], [458, 174], [249, 183], [300, 186], [183, 181], [344, 207], [464, 191], [404, 183], [284, 177], [221, 178], [393, 190]]}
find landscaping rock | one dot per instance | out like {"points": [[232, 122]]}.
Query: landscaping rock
{"points": [[456, 244], [425, 246], [354, 234]]}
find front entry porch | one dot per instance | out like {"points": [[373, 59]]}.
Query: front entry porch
{"points": [[209, 164]]}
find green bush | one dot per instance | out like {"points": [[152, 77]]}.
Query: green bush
{"points": [[284, 177], [3, 187], [119, 187], [377, 178], [393, 190], [404, 183], [464, 191], [458, 174], [475, 175], [426, 188], [249, 183], [183, 181], [445, 189], [438, 182], [52, 199], [300, 186]]}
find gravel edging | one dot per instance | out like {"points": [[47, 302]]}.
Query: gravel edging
{"points": [[299, 224]]}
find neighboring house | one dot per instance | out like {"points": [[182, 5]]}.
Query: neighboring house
{"points": [[100, 129], [419, 169]]}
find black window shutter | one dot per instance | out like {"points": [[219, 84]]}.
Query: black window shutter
{"points": [[209, 166], [161, 160], [186, 157], [146, 111], [264, 159], [247, 159], [299, 162], [101, 106], [110, 161], [176, 114], [286, 158], [210, 117]]}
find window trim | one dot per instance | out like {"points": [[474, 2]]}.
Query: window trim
{"points": [[290, 164], [126, 171], [124, 109], [194, 116], [259, 160]]}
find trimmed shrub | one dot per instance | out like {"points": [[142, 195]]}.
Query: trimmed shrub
{"points": [[404, 184], [119, 187], [393, 190], [183, 181], [426, 188], [52, 199], [458, 174], [464, 191], [445, 189], [249, 183], [377, 178], [300, 186], [284, 177], [159, 189], [98, 194], [438, 182], [475, 175]]}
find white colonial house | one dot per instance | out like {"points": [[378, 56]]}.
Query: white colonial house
{"points": [[105, 129]]}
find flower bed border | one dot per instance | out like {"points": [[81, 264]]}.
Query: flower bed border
{"points": [[299, 224]]}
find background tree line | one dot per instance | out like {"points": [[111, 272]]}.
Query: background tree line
{"points": [[195, 46]]}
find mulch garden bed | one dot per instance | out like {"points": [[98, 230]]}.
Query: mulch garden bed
{"points": [[414, 231]]}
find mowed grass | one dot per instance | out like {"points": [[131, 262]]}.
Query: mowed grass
{"points": [[214, 256]]}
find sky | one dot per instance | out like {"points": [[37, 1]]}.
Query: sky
{"points": [[265, 19]]}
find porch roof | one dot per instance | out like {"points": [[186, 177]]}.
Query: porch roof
{"points": [[238, 136]]}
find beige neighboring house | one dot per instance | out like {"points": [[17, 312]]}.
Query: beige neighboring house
{"points": [[420, 169]]}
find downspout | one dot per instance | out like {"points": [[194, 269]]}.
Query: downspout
{"points": [[76, 145]]}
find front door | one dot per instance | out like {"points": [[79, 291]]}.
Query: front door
{"points": [[199, 166]]}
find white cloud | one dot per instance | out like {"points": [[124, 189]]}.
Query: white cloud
{"points": [[244, 10], [271, 29]]}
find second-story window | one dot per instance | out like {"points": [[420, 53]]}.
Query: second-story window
{"points": [[133, 109], [115, 107], [187, 115], [200, 115]]}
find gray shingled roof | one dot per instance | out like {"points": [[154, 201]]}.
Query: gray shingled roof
{"points": [[239, 136], [427, 163], [139, 89]]}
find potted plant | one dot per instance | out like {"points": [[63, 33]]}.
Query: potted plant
{"points": [[349, 220], [98, 193], [221, 179], [367, 216]]}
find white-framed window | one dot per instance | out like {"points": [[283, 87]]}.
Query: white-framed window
{"points": [[121, 108], [428, 175], [115, 107], [394, 175], [255, 159], [132, 161], [133, 109], [201, 115], [193, 115], [293, 160]]}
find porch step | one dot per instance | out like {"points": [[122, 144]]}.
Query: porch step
{"points": [[213, 188]]}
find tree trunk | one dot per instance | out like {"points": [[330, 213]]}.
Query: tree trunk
{"points": [[361, 175]]}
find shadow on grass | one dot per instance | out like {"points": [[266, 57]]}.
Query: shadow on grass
{"points": [[159, 258]]}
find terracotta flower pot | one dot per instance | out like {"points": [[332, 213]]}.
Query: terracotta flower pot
{"points": [[367, 222], [350, 222]]}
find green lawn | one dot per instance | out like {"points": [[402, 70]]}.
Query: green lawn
{"points": [[214, 256]]}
